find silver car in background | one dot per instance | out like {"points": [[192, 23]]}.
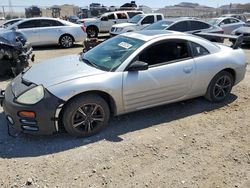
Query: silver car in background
{"points": [[126, 73], [10, 22], [50, 31], [228, 24]]}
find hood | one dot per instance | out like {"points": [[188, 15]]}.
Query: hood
{"points": [[58, 70], [90, 19], [122, 25], [243, 30]]}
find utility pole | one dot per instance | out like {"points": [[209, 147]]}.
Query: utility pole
{"points": [[10, 9], [3, 11]]}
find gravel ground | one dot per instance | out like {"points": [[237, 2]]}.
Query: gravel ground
{"points": [[188, 144]]}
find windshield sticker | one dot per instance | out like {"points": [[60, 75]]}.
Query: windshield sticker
{"points": [[125, 45]]}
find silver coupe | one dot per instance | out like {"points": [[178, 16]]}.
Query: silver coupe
{"points": [[129, 72]]}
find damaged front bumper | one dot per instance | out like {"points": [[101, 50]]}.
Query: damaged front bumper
{"points": [[45, 118], [1, 97]]}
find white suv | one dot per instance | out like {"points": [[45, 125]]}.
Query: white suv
{"points": [[136, 23], [105, 22]]}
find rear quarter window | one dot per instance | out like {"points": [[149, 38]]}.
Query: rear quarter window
{"points": [[180, 26], [198, 50], [196, 25]]}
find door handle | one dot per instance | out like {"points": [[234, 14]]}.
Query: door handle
{"points": [[115, 22], [187, 70]]}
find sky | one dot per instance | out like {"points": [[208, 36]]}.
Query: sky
{"points": [[150, 3]]}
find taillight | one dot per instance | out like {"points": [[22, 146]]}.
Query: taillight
{"points": [[83, 28]]}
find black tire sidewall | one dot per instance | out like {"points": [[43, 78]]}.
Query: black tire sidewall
{"points": [[93, 29], [210, 95], [60, 41], [77, 102]]}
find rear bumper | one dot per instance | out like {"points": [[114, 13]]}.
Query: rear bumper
{"points": [[240, 74], [45, 118]]}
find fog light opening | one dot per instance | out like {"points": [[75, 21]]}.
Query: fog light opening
{"points": [[29, 128], [27, 114], [10, 120]]}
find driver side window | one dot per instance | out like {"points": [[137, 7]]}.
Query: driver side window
{"points": [[148, 20], [165, 52], [111, 17]]}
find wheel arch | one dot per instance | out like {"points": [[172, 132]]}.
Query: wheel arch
{"points": [[107, 97], [231, 71], [64, 34]]}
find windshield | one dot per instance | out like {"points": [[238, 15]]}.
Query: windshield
{"points": [[159, 25], [110, 54], [213, 21], [4, 41], [136, 19]]}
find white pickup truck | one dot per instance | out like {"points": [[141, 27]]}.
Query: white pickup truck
{"points": [[136, 23], [105, 21]]}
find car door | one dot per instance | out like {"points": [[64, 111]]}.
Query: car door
{"points": [[229, 24], [49, 31], [29, 28], [169, 77], [106, 24]]}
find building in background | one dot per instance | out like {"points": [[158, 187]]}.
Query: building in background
{"points": [[188, 10]]}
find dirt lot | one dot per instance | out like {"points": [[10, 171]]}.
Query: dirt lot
{"points": [[187, 144]]}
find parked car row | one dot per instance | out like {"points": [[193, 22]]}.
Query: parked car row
{"points": [[105, 21], [50, 31], [136, 23]]}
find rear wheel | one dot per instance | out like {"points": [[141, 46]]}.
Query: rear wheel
{"points": [[92, 32], [66, 41], [220, 87], [86, 115]]}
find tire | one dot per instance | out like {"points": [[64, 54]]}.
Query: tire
{"points": [[220, 87], [66, 41], [86, 115], [92, 32]]}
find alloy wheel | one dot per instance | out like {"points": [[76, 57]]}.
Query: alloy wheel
{"points": [[88, 118], [66, 41], [222, 87]]}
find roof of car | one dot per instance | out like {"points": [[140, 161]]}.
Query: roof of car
{"points": [[39, 18], [178, 19], [226, 17], [147, 35]]}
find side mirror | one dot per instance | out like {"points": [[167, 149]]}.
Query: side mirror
{"points": [[138, 66]]}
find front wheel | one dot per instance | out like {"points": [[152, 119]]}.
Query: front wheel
{"points": [[220, 87], [86, 115]]}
